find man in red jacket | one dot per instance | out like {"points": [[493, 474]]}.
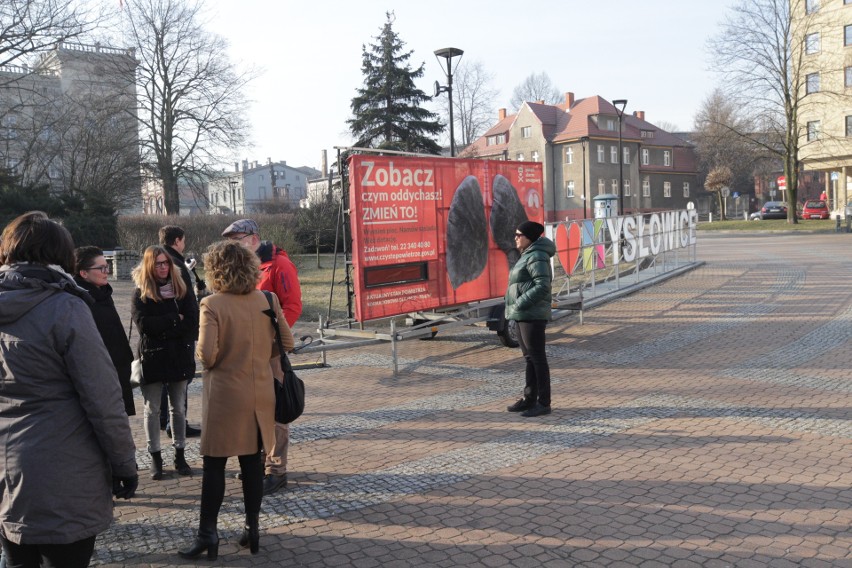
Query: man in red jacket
{"points": [[279, 276]]}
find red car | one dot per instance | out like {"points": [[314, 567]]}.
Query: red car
{"points": [[815, 210]]}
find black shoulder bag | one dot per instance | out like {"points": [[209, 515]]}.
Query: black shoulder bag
{"points": [[289, 396]]}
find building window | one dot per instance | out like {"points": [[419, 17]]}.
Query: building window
{"points": [[613, 154], [647, 134], [667, 189], [615, 186], [610, 124], [645, 159], [569, 188], [667, 158], [501, 138], [12, 166], [812, 43], [811, 6], [627, 188], [569, 155], [847, 77], [848, 126], [626, 157], [646, 188], [53, 171], [813, 130], [520, 157], [811, 83], [686, 189], [535, 156], [526, 132], [601, 158], [847, 35], [490, 140], [601, 186]]}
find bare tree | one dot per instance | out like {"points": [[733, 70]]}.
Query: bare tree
{"points": [[474, 99], [536, 87], [760, 53], [31, 27], [719, 178], [191, 103], [722, 136], [318, 222]]}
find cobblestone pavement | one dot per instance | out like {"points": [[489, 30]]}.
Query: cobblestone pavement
{"points": [[702, 422]]}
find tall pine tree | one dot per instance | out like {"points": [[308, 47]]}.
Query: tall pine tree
{"points": [[387, 112]]}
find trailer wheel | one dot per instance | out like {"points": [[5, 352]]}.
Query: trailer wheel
{"points": [[509, 334]]}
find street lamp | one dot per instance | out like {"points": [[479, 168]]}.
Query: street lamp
{"points": [[233, 184], [448, 53], [583, 141], [620, 112]]}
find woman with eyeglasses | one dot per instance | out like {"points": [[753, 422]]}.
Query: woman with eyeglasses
{"points": [[167, 321], [528, 300], [92, 273]]}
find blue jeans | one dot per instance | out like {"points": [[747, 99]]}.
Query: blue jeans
{"points": [[177, 406]]}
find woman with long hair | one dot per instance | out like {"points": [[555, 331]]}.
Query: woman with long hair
{"points": [[66, 446], [235, 345], [166, 319]]}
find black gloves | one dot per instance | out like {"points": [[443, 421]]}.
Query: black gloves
{"points": [[124, 487]]}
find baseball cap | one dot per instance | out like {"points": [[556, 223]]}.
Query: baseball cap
{"points": [[243, 226]]}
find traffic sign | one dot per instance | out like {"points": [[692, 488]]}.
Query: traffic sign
{"points": [[782, 183], [736, 195], [835, 176]]}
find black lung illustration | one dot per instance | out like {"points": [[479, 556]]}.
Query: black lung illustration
{"points": [[507, 213], [467, 233]]}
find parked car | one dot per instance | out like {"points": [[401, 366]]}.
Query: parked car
{"points": [[815, 209], [754, 216], [773, 210]]}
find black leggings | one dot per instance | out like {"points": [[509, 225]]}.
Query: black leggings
{"points": [[531, 337], [213, 488], [74, 555]]}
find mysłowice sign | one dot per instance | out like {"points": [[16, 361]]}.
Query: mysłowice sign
{"points": [[435, 232], [590, 244]]}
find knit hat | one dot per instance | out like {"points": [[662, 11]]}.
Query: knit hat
{"points": [[242, 226], [531, 229]]}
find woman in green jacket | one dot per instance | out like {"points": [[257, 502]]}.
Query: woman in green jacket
{"points": [[528, 299]]}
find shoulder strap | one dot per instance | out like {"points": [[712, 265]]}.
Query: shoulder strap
{"points": [[271, 313]]}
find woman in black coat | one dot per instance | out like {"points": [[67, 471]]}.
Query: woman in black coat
{"points": [[91, 274], [167, 319]]}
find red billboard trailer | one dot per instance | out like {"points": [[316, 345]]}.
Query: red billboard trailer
{"points": [[436, 232]]}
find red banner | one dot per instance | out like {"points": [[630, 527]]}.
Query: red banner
{"points": [[436, 232]]}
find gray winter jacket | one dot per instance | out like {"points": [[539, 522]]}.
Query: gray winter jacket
{"points": [[63, 429]]}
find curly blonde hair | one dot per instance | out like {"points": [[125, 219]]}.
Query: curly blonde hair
{"points": [[232, 268]]}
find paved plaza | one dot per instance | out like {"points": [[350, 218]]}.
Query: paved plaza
{"points": [[702, 422]]}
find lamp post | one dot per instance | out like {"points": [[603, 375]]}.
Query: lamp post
{"points": [[620, 112], [233, 184], [583, 141], [448, 53]]}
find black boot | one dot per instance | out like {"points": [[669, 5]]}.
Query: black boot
{"points": [[180, 463], [156, 465], [206, 540], [251, 536]]}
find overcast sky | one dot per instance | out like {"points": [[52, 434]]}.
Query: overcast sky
{"points": [[651, 52]]}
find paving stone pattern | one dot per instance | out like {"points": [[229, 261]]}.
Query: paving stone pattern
{"points": [[702, 422]]}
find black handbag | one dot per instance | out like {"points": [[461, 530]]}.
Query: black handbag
{"points": [[289, 396]]}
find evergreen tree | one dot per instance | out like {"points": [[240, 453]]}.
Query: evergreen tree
{"points": [[387, 112]]}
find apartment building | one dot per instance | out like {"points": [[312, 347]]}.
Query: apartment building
{"points": [[254, 188], [822, 37], [68, 121], [577, 142]]}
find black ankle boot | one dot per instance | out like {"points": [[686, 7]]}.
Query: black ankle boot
{"points": [[180, 463], [156, 465], [206, 540], [251, 537]]}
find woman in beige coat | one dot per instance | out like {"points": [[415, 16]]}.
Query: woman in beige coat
{"points": [[235, 345]]}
